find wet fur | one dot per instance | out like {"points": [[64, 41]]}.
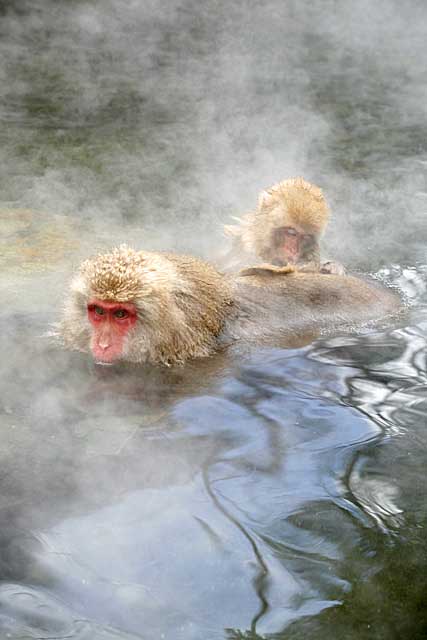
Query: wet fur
{"points": [[295, 203], [186, 309], [181, 305]]}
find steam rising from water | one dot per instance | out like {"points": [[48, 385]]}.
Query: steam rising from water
{"points": [[172, 118], [128, 494]]}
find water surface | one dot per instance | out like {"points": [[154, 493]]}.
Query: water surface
{"points": [[274, 494]]}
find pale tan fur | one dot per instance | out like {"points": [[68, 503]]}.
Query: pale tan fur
{"points": [[267, 270], [181, 303], [304, 203], [186, 309], [295, 203]]}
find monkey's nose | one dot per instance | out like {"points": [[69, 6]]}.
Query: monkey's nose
{"points": [[104, 343]]}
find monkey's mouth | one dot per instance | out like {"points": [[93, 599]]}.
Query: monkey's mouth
{"points": [[105, 357], [106, 354], [279, 262], [289, 258]]}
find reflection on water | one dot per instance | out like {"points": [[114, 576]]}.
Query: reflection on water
{"points": [[254, 500], [278, 494]]}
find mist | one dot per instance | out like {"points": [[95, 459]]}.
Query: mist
{"points": [[172, 119], [187, 503]]}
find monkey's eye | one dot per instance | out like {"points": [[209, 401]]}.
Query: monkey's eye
{"points": [[290, 231], [98, 310], [282, 233], [121, 313]]}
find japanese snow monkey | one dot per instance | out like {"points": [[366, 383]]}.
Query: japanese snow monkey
{"points": [[156, 308], [285, 229]]}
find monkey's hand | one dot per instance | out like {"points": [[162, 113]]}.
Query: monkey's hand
{"points": [[309, 267], [267, 270], [334, 268]]}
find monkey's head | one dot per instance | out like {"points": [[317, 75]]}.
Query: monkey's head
{"points": [[143, 307], [286, 227]]}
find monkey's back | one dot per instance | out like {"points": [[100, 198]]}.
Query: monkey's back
{"points": [[301, 302]]}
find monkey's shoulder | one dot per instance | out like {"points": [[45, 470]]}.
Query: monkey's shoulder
{"points": [[193, 267]]}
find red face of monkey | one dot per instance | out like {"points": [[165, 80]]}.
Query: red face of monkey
{"points": [[111, 322], [290, 245]]}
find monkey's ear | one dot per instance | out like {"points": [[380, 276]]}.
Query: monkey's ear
{"points": [[264, 199], [232, 230]]}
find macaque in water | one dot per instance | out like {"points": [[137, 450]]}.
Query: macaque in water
{"points": [[143, 307], [285, 229]]}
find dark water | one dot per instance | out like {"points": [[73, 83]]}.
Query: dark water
{"points": [[279, 494]]}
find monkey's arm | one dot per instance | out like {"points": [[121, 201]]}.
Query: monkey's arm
{"points": [[310, 263], [310, 260], [309, 267]]}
